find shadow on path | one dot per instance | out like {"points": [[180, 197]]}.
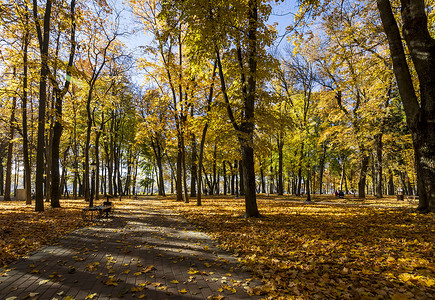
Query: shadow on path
{"points": [[144, 252]]}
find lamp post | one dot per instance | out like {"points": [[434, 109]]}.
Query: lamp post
{"points": [[92, 167]]}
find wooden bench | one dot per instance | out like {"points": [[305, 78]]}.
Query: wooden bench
{"points": [[412, 198], [100, 210]]}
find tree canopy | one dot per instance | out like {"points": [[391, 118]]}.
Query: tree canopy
{"points": [[205, 97]]}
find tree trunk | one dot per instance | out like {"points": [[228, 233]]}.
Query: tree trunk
{"points": [[179, 171], [246, 129], [2, 188], [155, 144], [97, 160], [8, 182], [343, 175], [249, 181], [241, 179], [214, 182], [233, 179], [262, 181], [111, 154], [193, 165], [390, 183], [280, 165], [186, 190], [26, 158], [298, 192], [420, 115], [271, 179], [378, 166], [322, 167], [44, 43], [48, 164], [308, 184], [363, 174], [224, 170], [88, 145]]}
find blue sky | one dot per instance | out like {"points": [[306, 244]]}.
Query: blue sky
{"points": [[282, 14]]}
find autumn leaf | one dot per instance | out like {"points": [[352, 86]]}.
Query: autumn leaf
{"points": [[148, 269], [111, 281], [137, 289], [31, 295], [193, 271], [91, 296]]}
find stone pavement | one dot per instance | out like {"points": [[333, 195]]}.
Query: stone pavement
{"points": [[143, 252]]}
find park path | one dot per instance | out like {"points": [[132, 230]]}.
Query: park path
{"points": [[144, 252]]}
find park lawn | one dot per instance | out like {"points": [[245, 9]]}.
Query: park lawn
{"points": [[319, 251]]}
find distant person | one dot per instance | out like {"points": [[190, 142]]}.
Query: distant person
{"points": [[336, 194], [341, 195]]}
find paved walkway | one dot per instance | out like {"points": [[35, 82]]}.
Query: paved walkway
{"points": [[146, 252]]}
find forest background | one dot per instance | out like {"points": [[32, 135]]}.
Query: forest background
{"points": [[219, 109]]}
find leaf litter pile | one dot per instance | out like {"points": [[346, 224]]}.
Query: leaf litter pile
{"points": [[319, 251], [23, 231], [300, 251]]}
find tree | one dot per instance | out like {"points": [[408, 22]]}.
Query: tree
{"points": [[99, 50], [44, 42], [419, 104]]}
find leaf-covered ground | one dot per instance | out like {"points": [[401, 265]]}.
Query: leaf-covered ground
{"points": [[334, 248], [22, 230], [319, 251]]}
